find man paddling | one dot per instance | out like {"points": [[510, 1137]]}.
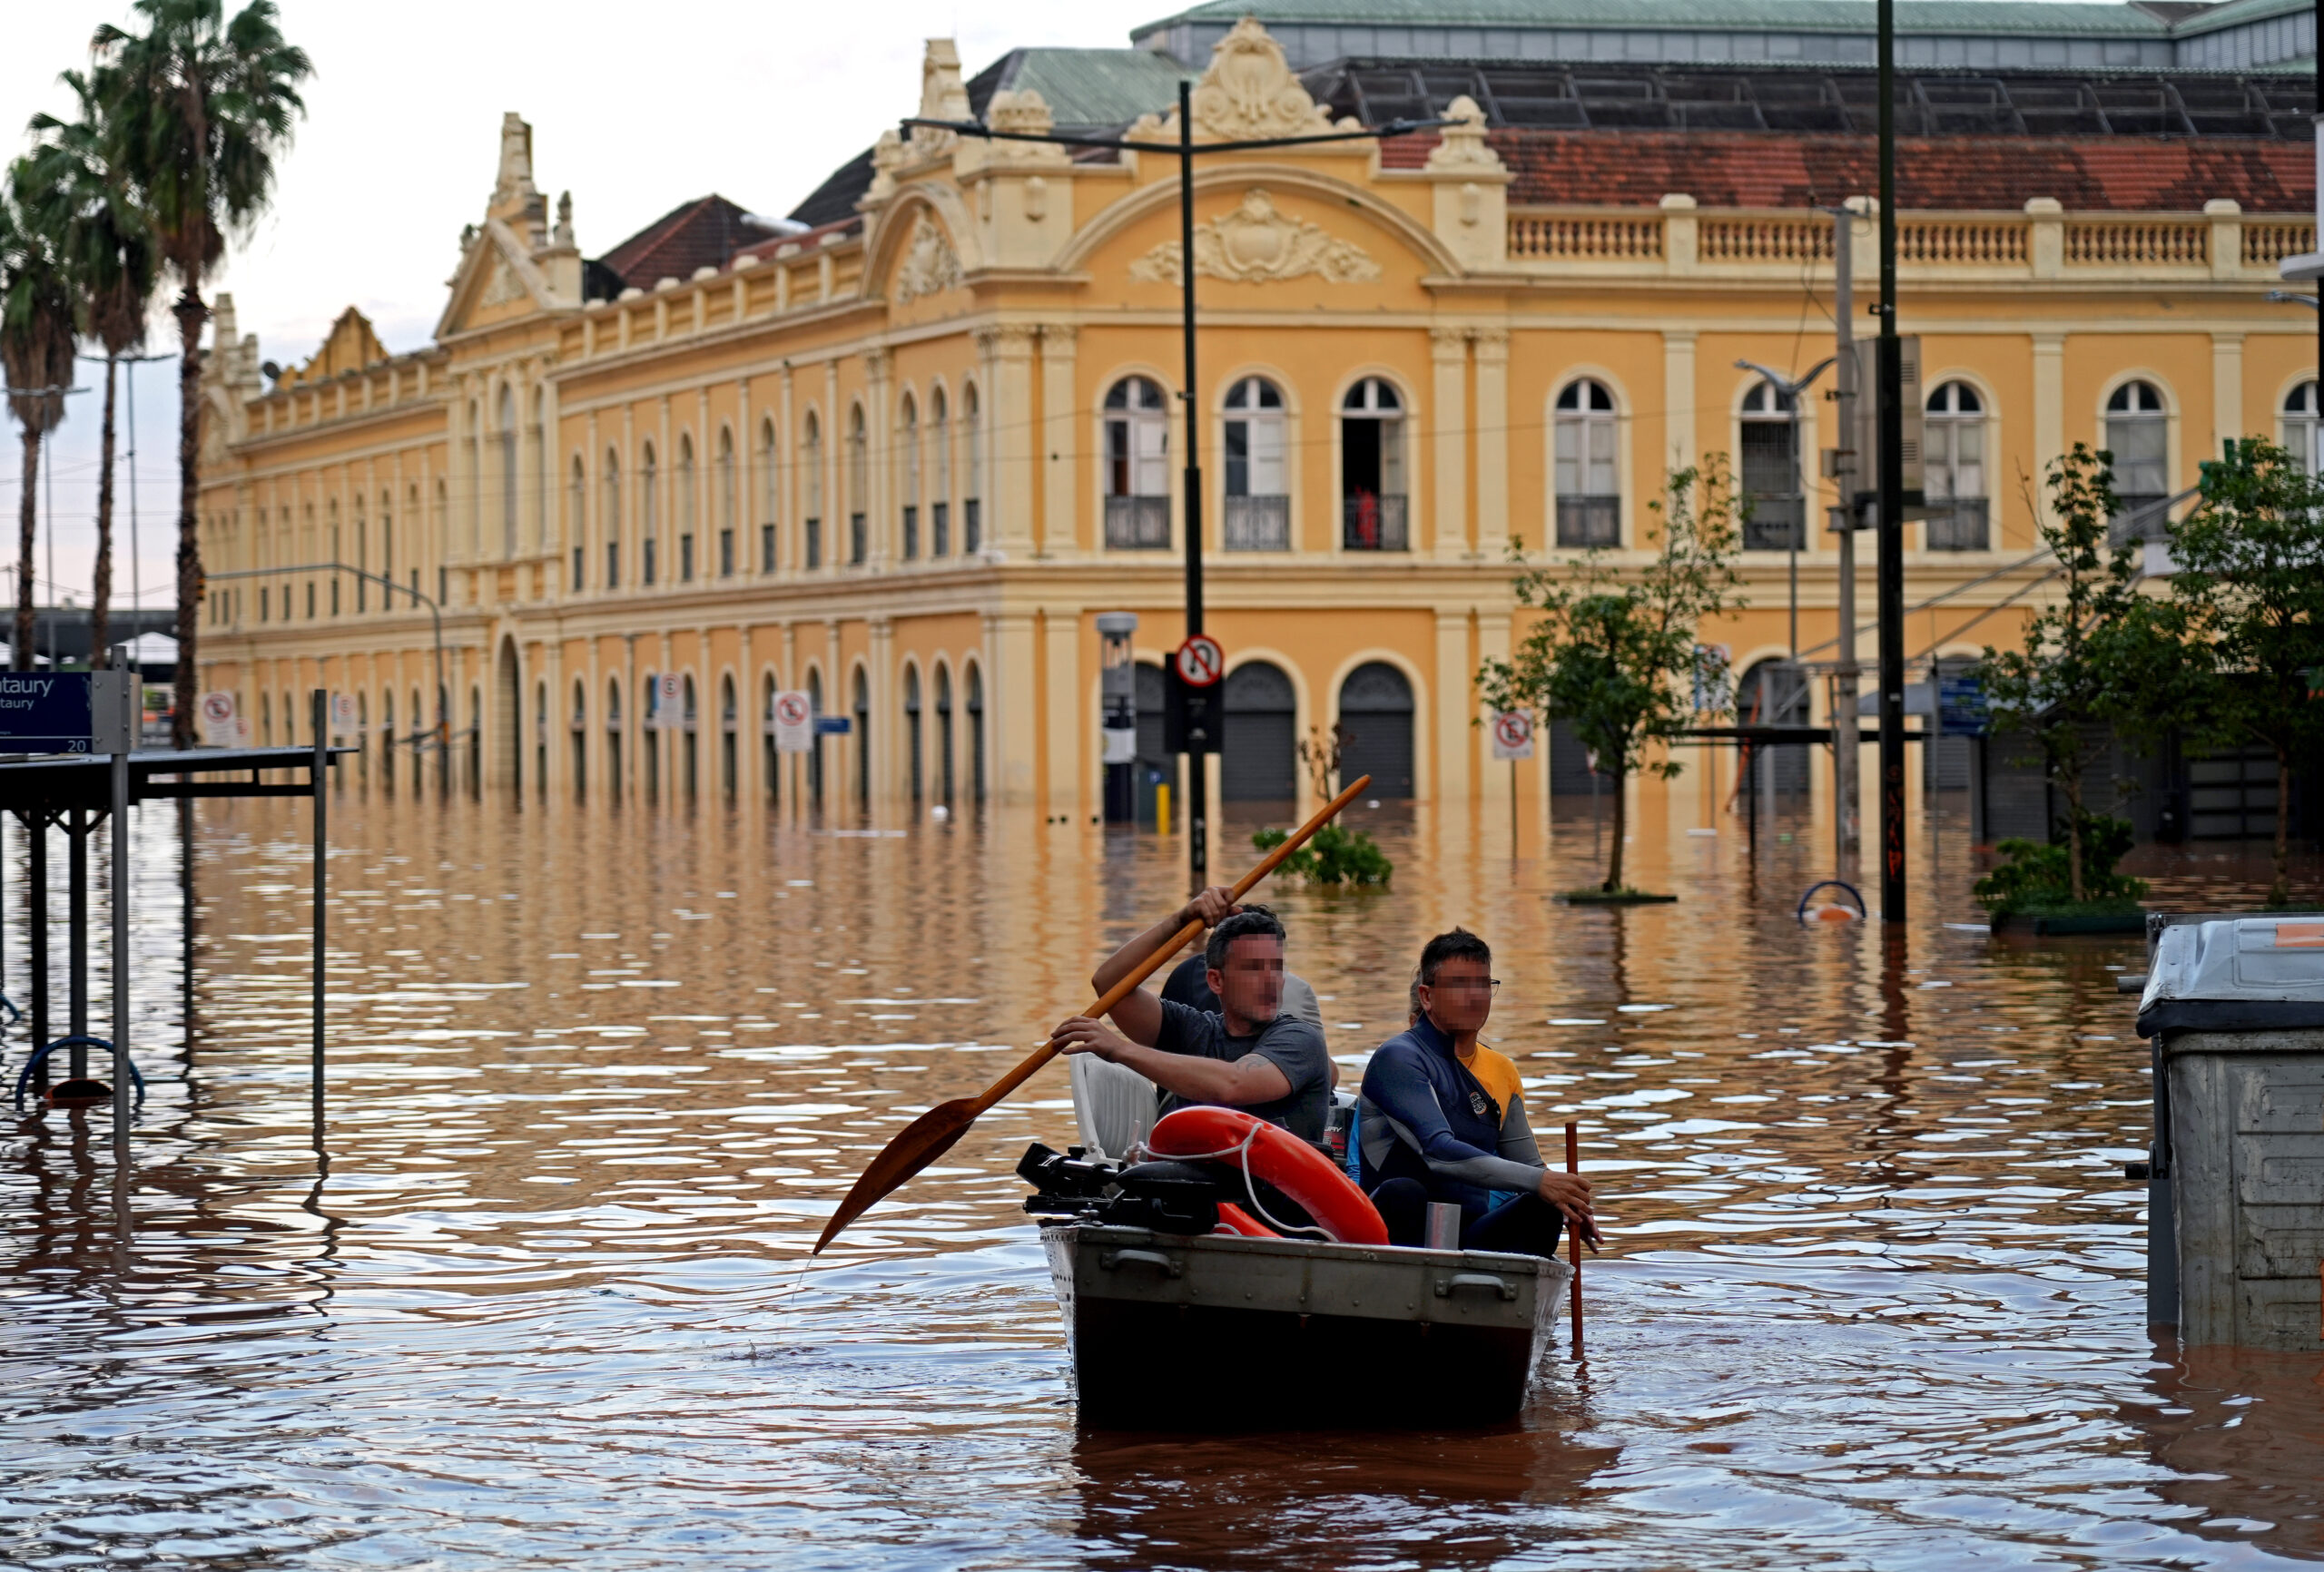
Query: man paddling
{"points": [[1443, 1119], [1249, 1056]]}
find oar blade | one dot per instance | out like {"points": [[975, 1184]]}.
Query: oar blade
{"points": [[913, 1147]]}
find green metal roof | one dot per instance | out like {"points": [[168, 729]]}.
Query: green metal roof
{"points": [[2238, 12], [2078, 19], [1096, 86]]}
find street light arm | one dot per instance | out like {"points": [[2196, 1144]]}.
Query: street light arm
{"points": [[1789, 387]]}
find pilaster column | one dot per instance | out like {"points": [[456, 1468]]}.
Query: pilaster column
{"points": [[834, 500], [748, 486], [1681, 445], [750, 783], [1068, 762], [1009, 415], [1491, 347], [1009, 706], [880, 446], [1455, 705], [887, 713], [1496, 780], [2227, 388], [1449, 452], [704, 500], [787, 498], [2049, 397], [1060, 471]]}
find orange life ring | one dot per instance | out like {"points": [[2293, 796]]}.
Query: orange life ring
{"points": [[1271, 1153], [1233, 1219]]}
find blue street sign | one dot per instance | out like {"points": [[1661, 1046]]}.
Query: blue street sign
{"points": [[1961, 707], [831, 725], [44, 713]]}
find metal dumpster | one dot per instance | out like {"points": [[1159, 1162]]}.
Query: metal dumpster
{"points": [[2235, 1010]]}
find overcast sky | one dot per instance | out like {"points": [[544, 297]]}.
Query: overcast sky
{"points": [[633, 112]]}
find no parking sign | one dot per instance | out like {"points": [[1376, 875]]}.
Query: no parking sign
{"points": [[792, 722], [1512, 734]]}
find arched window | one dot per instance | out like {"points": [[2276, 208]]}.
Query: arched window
{"points": [[972, 501], [613, 738], [542, 470], [769, 495], [611, 521], [1137, 465], [770, 759], [1952, 461], [975, 685], [815, 750], [810, 472], [1258, 506], [729, 765], [362, 560], [2138, 434], [944, 734], [912, 732], [687, 519], [862, 741], [859, 487], [1373, 515], [576, 517], [579, 727], [725, 502], [939, 496], [1588, 478], [649, 515], [2303, 419], [908, 440], [508, 433], [1770, 474], [330, 548]]}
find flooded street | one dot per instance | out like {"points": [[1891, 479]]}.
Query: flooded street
{"points": [[1873, 1293]]}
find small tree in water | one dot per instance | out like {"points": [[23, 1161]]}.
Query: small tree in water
{"points": [[2249, 595], [2089, 658], [1617, 654]]}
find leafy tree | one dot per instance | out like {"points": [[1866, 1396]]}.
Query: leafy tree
{"points": [[1333, 856], [2250, 592], [106, 246], [2035, 875], [1616, 651], [198, 107], [36, 339], [2099, 653]]}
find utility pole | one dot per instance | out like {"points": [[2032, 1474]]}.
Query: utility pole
{"points": [[1844, 734], [1199, 735], [1891, 575]]}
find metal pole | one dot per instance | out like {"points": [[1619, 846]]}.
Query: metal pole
{"points": [[1799, 524], [76, 938], [37, 905], [122, 968], [1892, 501], [317, 774], [1847, 742], [1198, 740]]}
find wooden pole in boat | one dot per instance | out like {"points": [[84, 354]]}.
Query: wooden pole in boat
{"points": [[931, 1135], [1573, 1235]]}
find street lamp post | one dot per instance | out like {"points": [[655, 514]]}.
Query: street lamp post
{"points": [[1791, 387], [1199, 738]]}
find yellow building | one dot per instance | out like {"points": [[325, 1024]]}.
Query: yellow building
{"points": [[902, 453]]}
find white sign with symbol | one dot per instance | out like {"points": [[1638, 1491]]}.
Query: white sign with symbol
{"points": [[668, 692], [220, 728], [1512, 734], [792, 723], [342, 712], [1201, 661]]}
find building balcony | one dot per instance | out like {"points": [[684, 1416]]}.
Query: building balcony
{"points": [[1137, 523], [1258, 524], [1589, 521], [1371, 521]]}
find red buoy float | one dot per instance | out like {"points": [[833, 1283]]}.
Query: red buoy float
{"points": [[1269, 1152]]}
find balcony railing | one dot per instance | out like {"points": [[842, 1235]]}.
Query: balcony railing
{"points": [[1370, 521], [1774, 525], [1258, 524], [1958, 526], [1586, 521], [1137, 523]]}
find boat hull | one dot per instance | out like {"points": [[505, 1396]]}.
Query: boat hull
{"points": [[1209, 1332]]}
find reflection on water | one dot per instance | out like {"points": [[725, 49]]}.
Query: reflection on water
{"points": [[1873, 1295]]}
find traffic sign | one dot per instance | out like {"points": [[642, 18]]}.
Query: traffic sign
{"points": [[1512, 734], [792, 723], [1201, 663], [668, 692], [343, 712]]}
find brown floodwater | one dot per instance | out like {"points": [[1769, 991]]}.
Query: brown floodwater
{"points": [[1873, 1295]]}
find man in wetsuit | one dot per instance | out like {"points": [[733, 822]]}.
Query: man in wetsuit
{"points": [[1249, 1054], [1443, 1119]]}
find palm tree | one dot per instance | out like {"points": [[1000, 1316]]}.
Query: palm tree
{"points": [[106, 247], [198, 108], [36, 340]]}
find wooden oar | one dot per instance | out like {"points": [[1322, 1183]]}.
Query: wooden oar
{"points": [[931, 1135]]}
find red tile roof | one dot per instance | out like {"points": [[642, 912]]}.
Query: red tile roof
{"points": [[1756, 169], [704, 232]]}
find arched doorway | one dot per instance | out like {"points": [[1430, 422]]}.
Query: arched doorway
{"points": [[728, 764], [690, 726], [540, 740], [1259, 760], [915, 766], [1376, 709], [508, 764], [1775, 693], [862, 742]]}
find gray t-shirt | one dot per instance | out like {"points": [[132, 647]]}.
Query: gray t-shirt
{"points": [[1293, 1046]]}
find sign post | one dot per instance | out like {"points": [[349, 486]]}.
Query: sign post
{"points": [[113, 718], [1512, 738], [1195, 671]]}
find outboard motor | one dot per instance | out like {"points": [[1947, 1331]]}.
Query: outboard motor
{"points": [[1160, 1196]]}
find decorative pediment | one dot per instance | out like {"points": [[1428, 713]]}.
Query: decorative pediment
{"points": [[493, 276], [1256, 244], [1249, 89], [929, 265]]}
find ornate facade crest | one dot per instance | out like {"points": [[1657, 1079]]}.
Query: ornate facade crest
{"points": [[1249, 91], [1256, 244], [502, 285], [930, 265]]}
